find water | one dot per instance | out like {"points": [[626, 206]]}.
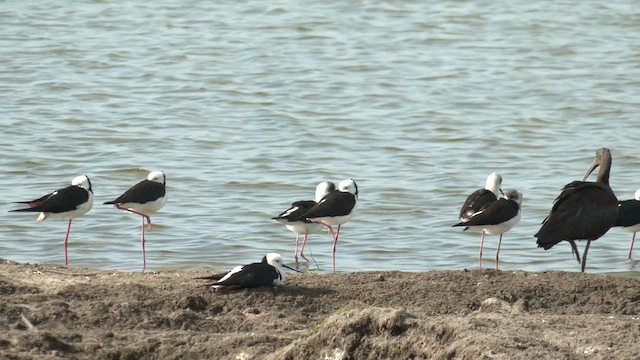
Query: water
{"points": [[247, 105]]}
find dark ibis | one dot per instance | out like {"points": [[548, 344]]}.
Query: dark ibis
{"points": [[584, 210]]}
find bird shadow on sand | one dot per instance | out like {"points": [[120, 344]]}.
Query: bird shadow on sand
{"points": [[311, 292]]}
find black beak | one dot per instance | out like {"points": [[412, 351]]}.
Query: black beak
{"points": [[501, 192], [290, 268]]}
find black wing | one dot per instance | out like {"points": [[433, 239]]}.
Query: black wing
{"points": [[583, 211], [36, 202], [628, 213], [141, 193], [336, 203], [215, 277], [221, 275], [495, 213], [475, 202], [63, 200], [296, 210], [252, 275]]}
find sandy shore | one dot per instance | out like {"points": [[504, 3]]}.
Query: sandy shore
{"points": [[51, 312]]}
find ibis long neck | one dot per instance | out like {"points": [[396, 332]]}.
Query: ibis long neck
{"points": [[605, 169]]}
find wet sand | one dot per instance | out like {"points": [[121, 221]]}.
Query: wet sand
{"points": [[49, 312]]}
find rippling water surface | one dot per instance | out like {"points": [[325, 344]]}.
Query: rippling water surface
{"points": [[247, 105]]}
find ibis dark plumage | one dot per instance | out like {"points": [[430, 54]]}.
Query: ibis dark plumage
{"points": [[584, 210], [67, 203], [629, 217]]}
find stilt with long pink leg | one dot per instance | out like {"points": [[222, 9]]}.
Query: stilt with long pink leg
{"points": [[66, 244], [480, 255], [336, 208], [497, 217], [498, 252], [290, 218], [66, 203], [144, 198], [629, 218]]}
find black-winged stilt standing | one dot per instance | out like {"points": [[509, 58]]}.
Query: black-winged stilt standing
{"points": [[336, 208], [477, 201], [629, 217], [66, 203], [584, 210], [292, 221], [268, 272], [144, 198], [497, 217], [482, 197]]}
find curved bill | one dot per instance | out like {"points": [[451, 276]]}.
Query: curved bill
{"points": [[590, 170]]}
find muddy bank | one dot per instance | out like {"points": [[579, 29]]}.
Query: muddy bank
{"points": [[50, 312]]}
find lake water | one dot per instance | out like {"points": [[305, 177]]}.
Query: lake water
{"points": [[247, 105]]}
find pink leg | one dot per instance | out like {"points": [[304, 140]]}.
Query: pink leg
{"points": [[333, 250], [633, 239], [138, 213], [335, 241], [304, 242], [66, 242], [144, 254], [295, 254], [498, 252], [481, 243], [329, 226]]}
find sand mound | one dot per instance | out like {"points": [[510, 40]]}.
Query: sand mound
{"points": [[48, 312]]}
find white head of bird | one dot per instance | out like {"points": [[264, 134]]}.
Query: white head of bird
{"points": [[348, 185], [494, 182], [157, 176], [275, 260], [323, 189], [82, 181]]}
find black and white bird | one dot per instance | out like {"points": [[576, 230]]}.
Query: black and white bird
{"points": [[67, 203], [144, 198], [584, 210], [292, 221], [268, 272], [336, 208], [629, 218], [482, 197], [497, 217], [477, 201]]}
